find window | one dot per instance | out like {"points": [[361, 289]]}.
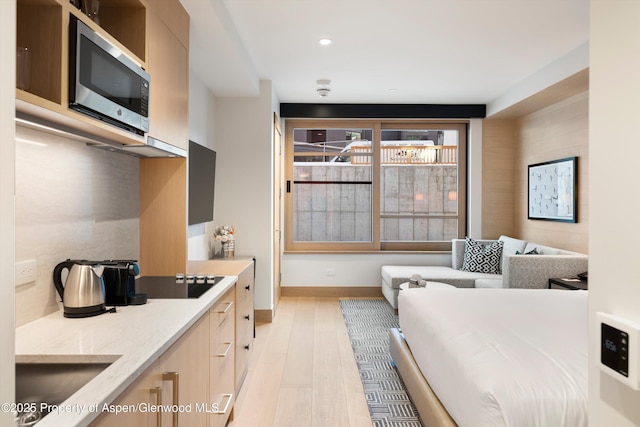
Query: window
{"points": [[374, 186]]}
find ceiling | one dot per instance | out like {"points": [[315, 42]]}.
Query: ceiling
{"points": [[383, 51]]}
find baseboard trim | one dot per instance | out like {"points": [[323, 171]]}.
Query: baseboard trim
{"points": [[331, 291], [263, 316]]}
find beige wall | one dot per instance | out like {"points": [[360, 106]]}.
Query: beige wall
{"points": [[7, 211], [509, 146], [613, 234]]}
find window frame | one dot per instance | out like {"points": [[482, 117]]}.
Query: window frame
{"points": [[375, 245]]}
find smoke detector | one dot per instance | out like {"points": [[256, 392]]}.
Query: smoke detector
{"points": [[323, 91], [323, 87]]}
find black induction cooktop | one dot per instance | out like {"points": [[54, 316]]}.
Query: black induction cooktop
{"points": [[166, 287]]}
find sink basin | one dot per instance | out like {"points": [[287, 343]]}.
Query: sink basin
{"points": [[51, 383]]}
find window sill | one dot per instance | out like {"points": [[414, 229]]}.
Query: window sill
{"points": [[337, 252]]}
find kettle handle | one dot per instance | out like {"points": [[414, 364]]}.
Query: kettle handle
{"points": [[57, 276]]}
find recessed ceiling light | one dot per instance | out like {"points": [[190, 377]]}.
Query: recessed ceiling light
{"points": [[325, 42], [393, 90]]}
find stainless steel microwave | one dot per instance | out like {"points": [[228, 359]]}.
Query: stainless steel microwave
{"points": [[104, 83]]}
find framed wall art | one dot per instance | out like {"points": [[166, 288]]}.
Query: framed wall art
{"points": [[553, 190]]}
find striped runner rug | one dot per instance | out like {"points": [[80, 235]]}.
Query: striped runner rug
{"points": [[368, 322]]}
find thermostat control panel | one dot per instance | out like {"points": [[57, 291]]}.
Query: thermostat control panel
{"points": [[619, 348]]}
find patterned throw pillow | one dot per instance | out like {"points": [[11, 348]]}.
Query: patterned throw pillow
{"points": [[482, 257]]}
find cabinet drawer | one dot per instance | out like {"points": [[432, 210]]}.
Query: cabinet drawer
{"points": [[222, 361], [222, 314], [222, 341], [223, 310], [223, 396], [244, 289], [243, 352], [244, 317], [222, 384], [222, 325]]}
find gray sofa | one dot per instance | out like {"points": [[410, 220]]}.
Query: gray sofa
{"points": [[520, 268]]}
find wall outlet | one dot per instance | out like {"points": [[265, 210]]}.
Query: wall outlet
{"points": [[331, 272], [26, 271]]}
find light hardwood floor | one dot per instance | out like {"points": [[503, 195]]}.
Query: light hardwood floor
{"points": [[302, 371]]}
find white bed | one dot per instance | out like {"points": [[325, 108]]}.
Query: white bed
{"points": [[501, 357]]}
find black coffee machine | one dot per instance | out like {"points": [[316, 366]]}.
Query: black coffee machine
{"points": [[119, 278]]}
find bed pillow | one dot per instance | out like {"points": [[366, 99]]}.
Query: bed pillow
{"points": [[482, 257]]}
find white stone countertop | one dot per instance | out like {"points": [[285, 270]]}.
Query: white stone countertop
{"points": [[132, 338]]}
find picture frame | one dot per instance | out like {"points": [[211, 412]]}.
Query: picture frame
{"points": [[553, 190]]}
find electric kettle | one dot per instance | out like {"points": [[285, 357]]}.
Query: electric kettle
{"points": [[83, 292]]}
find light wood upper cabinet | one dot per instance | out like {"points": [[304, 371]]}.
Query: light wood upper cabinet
{"points": [[163, 185], [39, 32], [163, 216], [169, 69], [154, 33], [43, 30], [173, 14]]}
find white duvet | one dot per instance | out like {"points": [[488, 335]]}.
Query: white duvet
{"points": [[501, 357]]}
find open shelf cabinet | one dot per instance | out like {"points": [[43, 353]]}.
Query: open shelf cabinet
{"points": [[43, 31]]}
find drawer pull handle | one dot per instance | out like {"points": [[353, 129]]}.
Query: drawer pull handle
{"points": [[158, 392], [229, 304], [246, 347], [174, 378], [248, 287], [248, 317], [224, 354], [229, 397]]}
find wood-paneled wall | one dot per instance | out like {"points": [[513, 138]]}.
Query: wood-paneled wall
{"points": [[509, 146], [499, 144], [555, 132]]}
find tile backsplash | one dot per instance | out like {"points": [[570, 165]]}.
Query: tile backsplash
{"points": [[72, 201]]}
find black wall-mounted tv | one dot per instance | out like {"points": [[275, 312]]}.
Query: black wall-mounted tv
{"points": [[202, 183]]}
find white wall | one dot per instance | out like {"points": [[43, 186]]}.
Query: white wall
{"points": [[565, 66], [348, 270], [202, 131], [614, 108], [7, 216], [202, 104], [243, 134]]}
